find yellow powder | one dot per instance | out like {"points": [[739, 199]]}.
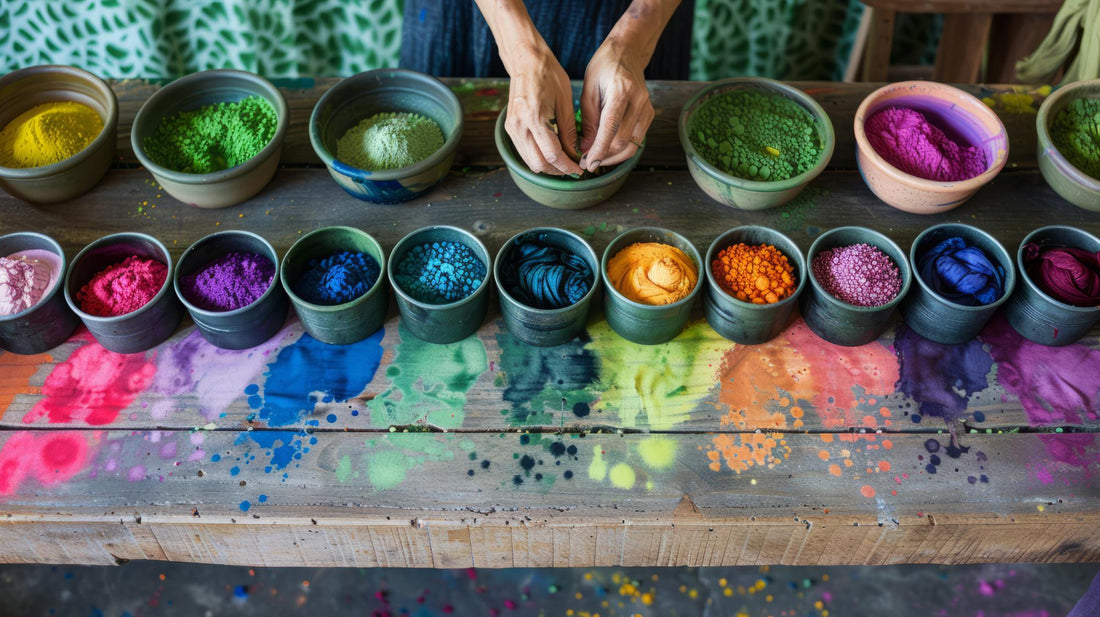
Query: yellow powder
{"points": [[652, 273], [47, 134]]}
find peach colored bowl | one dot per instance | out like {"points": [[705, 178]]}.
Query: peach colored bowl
{"points": [[963, 117]]}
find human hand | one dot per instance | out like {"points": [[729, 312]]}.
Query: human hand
{"points": [[540, 113], [615, 108]]}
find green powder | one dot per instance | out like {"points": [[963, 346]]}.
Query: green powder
{"points": [[756, 136], [213, 137], [1076, 134], [389, 141]]}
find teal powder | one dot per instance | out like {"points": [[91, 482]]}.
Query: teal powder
{"points": [[756, 136], [1076, 133], [213, 137], [389, 141]]}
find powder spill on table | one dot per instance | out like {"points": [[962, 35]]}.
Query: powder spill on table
{"points": [[1069, 275], [213, 137], [440, 272], [338, 278], [389, 141], [652, 273], [962, 273], [25, 278], [760, 274], [1076, 133], [858, 274], [123, 287], [48, 134], [908, 141], [544, 276], [229, 282]]}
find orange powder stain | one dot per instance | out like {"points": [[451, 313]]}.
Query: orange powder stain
{"points": [[834, 469], [886, 443], [867, 491], [823, 455], [15, 376], [884, 466]]}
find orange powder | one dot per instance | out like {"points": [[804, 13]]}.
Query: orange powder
{"points": [[652, 273], [759, 274]]}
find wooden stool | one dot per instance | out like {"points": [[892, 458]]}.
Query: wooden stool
{"points": [[1013, 29]]}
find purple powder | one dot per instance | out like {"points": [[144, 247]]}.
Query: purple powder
{"points": [[859, 274], [907, 140], [229, 282]]}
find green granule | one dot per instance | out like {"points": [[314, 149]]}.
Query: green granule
{"points": [[213, 137], [1076, 134], [755, 136], [389, 141]]}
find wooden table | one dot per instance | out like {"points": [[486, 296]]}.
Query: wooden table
{"points": [[490, 453]]}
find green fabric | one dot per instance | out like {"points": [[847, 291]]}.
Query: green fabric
{"points": [[1077, 22]]}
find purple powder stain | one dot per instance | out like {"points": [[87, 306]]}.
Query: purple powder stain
{"points": [[137, 473], [940, 378]]}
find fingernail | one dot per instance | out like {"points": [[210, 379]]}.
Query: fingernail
{"points": [[595, 165]]}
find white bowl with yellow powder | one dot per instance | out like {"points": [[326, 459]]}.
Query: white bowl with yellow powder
{"points": [[59, 129]]}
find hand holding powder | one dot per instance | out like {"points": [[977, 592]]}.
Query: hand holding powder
{"points": [[1069, 275], [652, 273], [962, 273], [859, 274], [123, 287], [907, 140], [229, 282], [25, 278]]}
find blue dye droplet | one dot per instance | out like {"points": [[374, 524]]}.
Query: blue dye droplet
{"points": [[216, 458], [234, 471], [263, 498], [245, 506], [331, 418], [979, 416]]}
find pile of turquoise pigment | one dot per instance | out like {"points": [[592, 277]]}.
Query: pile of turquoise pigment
{"points": [[440, 272], [229, 282], [389, 141], [545, 277], [338, 278], [962, 273], [756, 136], [1076, 133], [213, 137]]}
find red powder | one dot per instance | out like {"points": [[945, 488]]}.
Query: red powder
{"points": [[123, 287], [907, 140]]}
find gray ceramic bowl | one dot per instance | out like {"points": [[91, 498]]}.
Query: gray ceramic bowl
{"points": [[49, 322], [221, 188], [556, 191], [752, 194], [386, 90], [26, 88], [1074, 185]]}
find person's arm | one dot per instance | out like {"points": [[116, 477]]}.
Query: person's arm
{"points": [[615, 107], [538, 93]]}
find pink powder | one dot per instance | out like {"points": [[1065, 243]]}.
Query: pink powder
{"points": [[123, 287], [909, 142]]}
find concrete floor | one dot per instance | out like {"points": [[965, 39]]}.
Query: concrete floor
{"points": [[140, 589]]}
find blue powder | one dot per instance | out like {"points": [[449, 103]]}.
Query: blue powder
{"points": [[546, 277], [962, 273], [440, 272], [338, 278]]}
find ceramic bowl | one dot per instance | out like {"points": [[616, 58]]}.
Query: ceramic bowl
{"points": [[386, 90], [218, 189], [26, 88], [48, 323], [962, 117], [560, 192], [738, 192], [1074, 185]]}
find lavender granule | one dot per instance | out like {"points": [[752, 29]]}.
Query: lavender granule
{"points": [[228, 282], [859, 274]]}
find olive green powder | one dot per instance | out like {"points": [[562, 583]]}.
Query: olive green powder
{"points": [[389, 141], [755, 136], [1076, 133], [213, 137]]}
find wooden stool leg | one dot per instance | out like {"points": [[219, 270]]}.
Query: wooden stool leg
{"points": [[876, 58], [959, 57], [1013, 37]]}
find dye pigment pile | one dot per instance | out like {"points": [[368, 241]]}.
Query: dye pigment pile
{"points": [[962, 273], [756, 136], [213, 137], [652, 273], [858, 274], [440, 272], [544, 276], [908, 141], [123, 287], [389, 141], [337, 278], [48, 134], [1069, 275], [759, 274], [229, 282], [25, 278], [1076, 133]]}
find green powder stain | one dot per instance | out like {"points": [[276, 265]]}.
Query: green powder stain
{"points": [[539, 381], [597, 469], [386, 469], [1076, 133], [658, 452], [656, 386], [343, 469], [622, 476], [793, 216], [389, 141], [395, 454], [755, 136], [213, 137]]}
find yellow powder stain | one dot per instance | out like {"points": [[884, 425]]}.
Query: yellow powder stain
{"points": [[16, 372], [622, 476], [597, 469], [658, 452]]}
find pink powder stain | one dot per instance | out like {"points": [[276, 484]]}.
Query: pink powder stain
{"points": [[907, 140], [137, 473], [92, 387], [52, 458], [123, 287]]}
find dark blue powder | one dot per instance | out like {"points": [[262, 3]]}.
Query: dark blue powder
{"points": [[962, 273], [546, 277], [338, 278], [440, 272]]}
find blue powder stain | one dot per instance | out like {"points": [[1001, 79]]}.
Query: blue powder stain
{"points": [[546, 378], [312, 441], [544, 276], [979, 416], [263, 498], [331, 418], [245, 506], [930, 468], [338, 278], [930, 373], [423, 14], [440, 272], [216, 458], [240, 592], [932, 446], [234, 471], [281, 446]]}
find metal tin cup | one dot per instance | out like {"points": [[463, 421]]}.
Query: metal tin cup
{"points": [[937, 318], [248, 325], [837, 321], [545, 327], [48, 323], [1036, 315], [440, 323], [648, 324], [138, 330], [336, 324], [745, 322]]}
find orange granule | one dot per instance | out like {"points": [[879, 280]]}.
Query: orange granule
{"points": [[759, 274]]}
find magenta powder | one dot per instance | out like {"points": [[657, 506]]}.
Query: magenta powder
{"points": [[907, 140], [229, 282], [859, 274], [123, 287]]}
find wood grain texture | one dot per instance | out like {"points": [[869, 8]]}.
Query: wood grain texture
{"points": [[962, 47]]}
